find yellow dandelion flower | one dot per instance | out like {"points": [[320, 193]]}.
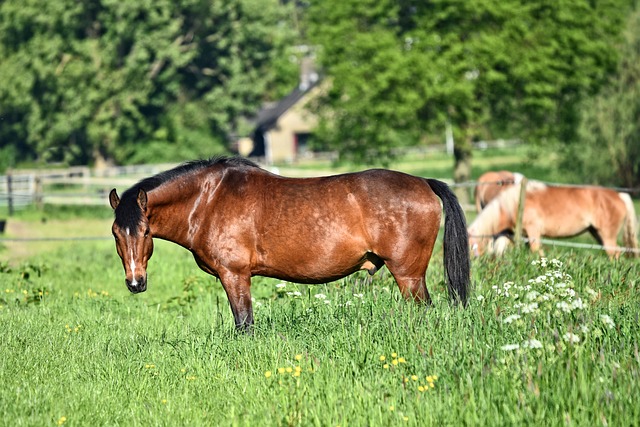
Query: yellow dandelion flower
{"points": [[405, 379], [298, 369], [394, 362], [296, 374], [289, 369], [432, 385], [394, 354], [392, 408], [406, 418], [414, 377], [430, 378], [298, 357], [385, 366], [281, 370], [435, 377], [164, 401], [382, 358], [267, 374], [420, 388], [62, 420], [401, 360]]}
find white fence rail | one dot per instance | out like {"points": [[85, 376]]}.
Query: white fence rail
{"points": [[72, 186]]}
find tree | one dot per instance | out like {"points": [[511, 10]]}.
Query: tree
{"points": [[607, 147], [402, 69], [107, 79]]}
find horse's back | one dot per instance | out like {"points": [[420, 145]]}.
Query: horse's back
{"points": [[567, 211], [328, 227]]}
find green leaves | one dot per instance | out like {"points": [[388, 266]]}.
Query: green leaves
{"points": [[87, 80], [399, 70]]}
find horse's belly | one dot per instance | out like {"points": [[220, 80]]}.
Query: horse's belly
{"points": [[316, 269]]}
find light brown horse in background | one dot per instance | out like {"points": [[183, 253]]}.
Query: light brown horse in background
{"points": [[240, 221], [558, 211], [491, 183]]}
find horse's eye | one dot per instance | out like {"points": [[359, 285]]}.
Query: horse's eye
{"points": [[146, 233]]}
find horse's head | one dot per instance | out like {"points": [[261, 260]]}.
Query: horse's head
{"points": [[133, 238], [477, 242]]}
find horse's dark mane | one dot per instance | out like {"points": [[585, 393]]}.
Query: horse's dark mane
{"points": [[128, 214]]}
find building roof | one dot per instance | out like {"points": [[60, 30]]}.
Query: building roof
{"points": [[268, 116]]}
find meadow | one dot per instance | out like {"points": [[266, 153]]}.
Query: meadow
{"points": [[544, 341]]}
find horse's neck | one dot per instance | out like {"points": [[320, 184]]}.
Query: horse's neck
{"points": [[492, 220], [168, 211]]}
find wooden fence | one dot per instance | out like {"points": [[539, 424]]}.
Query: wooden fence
{"points": [[71, 186]]}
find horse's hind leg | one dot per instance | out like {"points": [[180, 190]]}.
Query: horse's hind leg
{"points": [[238, 289], [608, 239], [411, 282]]}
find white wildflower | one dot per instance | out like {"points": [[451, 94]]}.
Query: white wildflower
{"points": [[358, 296], [480, 297], [320, 296], [557, 263], [607, 320], [510, 347], [564, 306], [281, 285], [511, 318], [571, 338], [577, 304], [530, 308], [532, 343], [592, 294], [531, 296]]}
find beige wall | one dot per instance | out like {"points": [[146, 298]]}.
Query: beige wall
{"points": [[281, 138]]}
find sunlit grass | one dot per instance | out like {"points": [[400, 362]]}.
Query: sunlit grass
{"points": [[78, 349]]}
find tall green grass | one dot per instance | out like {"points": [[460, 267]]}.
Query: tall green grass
{"points": [[77, 349]]}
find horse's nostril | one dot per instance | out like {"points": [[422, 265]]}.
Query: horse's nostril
{"points": [[139, 284]]}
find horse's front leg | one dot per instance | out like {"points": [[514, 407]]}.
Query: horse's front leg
{"points": [[534, 241], [238, 289]]}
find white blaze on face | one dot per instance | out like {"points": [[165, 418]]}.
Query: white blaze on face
{"points": [[132, 266], [134, 282]]}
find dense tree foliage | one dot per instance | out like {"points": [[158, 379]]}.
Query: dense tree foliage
{"points": [[134, 81], [107, 80], [401, 69], [607, 150]]}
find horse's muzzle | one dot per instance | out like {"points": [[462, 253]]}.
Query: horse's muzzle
{"points": [[137, 285]]}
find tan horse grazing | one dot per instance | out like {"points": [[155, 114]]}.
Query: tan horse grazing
{"points": [[490, 184], [239, 221], [556, 211]]}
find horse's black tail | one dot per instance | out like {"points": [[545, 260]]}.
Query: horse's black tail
{"points": [[457, 263]]}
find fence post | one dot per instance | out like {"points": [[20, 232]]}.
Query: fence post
{"points": [[9, 194], [521, 201], [38, 192]]}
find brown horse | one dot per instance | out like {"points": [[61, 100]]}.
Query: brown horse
{"points": [[490, 184], [240, 221], [558, 211]]}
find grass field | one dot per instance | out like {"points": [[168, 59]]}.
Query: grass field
{"points": [[77, 349], [543, 342]]}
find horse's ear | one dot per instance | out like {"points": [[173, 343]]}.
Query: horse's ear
{"points": [[114, 200], [142, 200]]}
